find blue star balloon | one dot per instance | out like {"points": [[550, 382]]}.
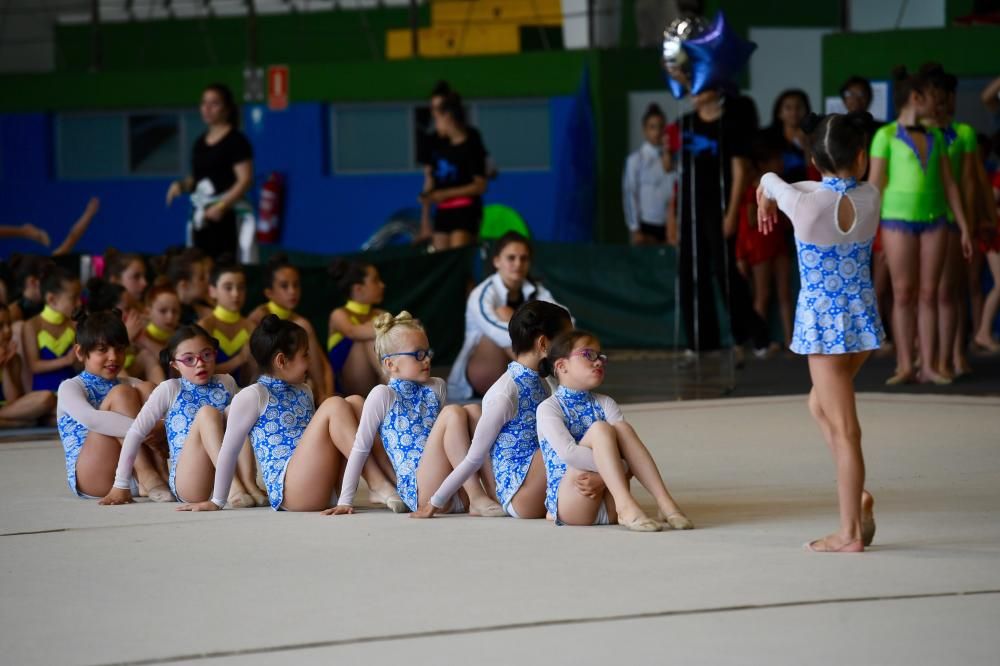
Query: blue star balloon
{"points": [[716, 56]]}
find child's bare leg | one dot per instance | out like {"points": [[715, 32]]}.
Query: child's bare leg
{"points": [[602, 438], [783, 285], [644, 468], [474, 412], [834, 384], [30, 407], [529, 500], [574, 507], [378, 453], [434, 465], [457, 424], [246, 474], [381, 486], [195, 474], [761, 288], [316, 465], [358, 376]]}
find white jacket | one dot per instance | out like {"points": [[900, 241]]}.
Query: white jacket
{"points": [[481, 320]]}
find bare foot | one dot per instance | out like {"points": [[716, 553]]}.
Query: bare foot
{"points": [[867, 518], [486, 508], [835, 544]]}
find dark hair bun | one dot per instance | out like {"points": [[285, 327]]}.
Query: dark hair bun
{"points": [[860, 119], [810, 122], [546, 368], [271, 323]]}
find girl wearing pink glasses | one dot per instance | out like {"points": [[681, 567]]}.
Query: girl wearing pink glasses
{"points": [[193, 409], [580, 431]]}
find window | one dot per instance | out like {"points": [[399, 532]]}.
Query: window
{"points": [[516, 133], [131, 144], [372, 138]]}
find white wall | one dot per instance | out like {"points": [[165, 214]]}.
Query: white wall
{"points": [[786, 58], [868, 15]]}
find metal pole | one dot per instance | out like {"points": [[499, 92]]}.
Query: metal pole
{"points": [[414, 29], [591, 32], [95, 36]]}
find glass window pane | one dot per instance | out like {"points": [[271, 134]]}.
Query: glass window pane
{"points": [[372, 138], [90, 146], [154, 144], [516, 134]]}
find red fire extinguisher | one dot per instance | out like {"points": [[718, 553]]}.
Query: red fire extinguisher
{"points": [[269, 210]]}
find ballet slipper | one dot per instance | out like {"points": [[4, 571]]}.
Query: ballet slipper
{"points": [[241, 501], [928, 377], [818, 546], [161, 494], [677, 521], [392, 501], [900, 378], [487, 509], [641, 523]]}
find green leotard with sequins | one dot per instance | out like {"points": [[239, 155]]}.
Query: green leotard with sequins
{"points": [[913, 193], [961, 140]]}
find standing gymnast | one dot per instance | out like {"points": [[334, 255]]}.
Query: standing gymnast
{"points": [[836, 320], [909, 164], [300, 450], [192, 410], [506, 432], [424, 439], [580, 431]]}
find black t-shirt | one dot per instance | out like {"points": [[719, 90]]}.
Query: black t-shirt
{"points": [[705, 145], [455, 165], [429, 140], [216, 162]]}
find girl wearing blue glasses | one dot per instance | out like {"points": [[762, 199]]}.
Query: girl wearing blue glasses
{"points": [[580, 431], [424, 439], [192, 410]]}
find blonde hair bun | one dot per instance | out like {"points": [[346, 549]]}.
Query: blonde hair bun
{"points": [[385, 324]]}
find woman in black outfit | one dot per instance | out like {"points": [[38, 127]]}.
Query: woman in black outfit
{"points": [[221, 175], [454, 179]]}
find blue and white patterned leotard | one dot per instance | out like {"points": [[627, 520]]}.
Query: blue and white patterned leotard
{"points": [[277, 432], [72, 432], [178, 419], [405, 429], [836, 311], [580, 411], [518, 439]]}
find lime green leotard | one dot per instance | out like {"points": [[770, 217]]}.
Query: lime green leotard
{"points": [[913, 199], [960, 139]]}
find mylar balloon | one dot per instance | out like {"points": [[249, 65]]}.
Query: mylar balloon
{"points": [[716, 56]]}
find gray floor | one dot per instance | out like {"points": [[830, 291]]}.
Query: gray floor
{"points": [[82, 584]]}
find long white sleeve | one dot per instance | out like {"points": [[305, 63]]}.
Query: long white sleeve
{"points": [[152, 412], [72, 400], [482, 309], [812, 209], [244, 411], [787, 196], [499, 407], [552, 428], [377, 405]]}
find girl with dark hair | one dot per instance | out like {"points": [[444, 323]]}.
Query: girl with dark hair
{"points": [[164, 308], [350, 344], [962, 149], [47, 338], [790, 108], [647, 185], [283, 291], [837, 324], [95, 409], [129, 271], [228, 288], [103, 296], [300, 449], [454, 180], [187, 271], [580, 431], [506, 433], [909, 164], [192, 408], [487, 347], [221, 174]]}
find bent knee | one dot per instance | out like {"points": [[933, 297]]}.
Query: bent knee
{"points": [[209, 413], [355, 401], [601, 428]]}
